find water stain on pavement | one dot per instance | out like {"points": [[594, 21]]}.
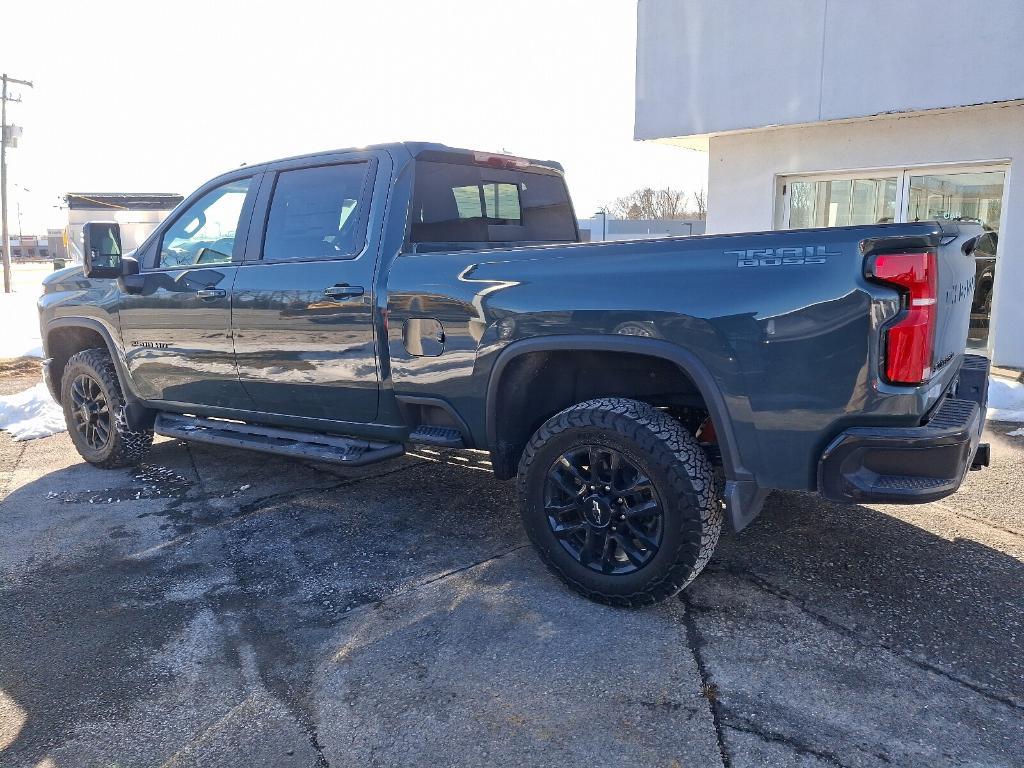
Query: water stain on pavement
{"points": [[150, 482]]}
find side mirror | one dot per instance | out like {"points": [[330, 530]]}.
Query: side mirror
{"points": [[969, 245], [131, 280], [987, 245], [129, 266], [101, 241]]}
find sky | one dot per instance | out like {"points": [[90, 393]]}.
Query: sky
{"points": [[159, 97]]}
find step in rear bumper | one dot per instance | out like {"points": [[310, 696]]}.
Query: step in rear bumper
{"points": [[912, 465]]}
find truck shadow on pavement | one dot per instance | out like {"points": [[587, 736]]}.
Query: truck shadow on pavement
{"points": [[276, 587]]}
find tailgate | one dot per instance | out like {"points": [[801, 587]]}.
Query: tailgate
{"points": [[956, 291]]}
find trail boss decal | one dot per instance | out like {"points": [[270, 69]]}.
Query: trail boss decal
{"points": [[781, 257], [152, 344], [960, 291]]}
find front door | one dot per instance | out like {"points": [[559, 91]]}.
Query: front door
{"points": [[176, 326], [302, 301]]}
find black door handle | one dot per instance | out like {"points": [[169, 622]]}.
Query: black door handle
{"points": [[343, 291], [211, 293]]}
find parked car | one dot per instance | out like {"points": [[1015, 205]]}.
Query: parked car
{"points": [[337, 306], [983, 250]]}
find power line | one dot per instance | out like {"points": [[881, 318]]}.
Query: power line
{"points": [[7, 136]]}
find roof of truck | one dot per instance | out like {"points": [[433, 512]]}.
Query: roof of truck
{"points": [[427, 148]]}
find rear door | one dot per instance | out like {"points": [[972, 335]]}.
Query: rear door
{"points": [[302, 311], [176, 326]]}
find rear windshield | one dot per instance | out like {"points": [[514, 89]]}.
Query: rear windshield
{"points": [[477, 204]]}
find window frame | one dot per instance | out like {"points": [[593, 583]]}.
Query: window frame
{"points": [[902, 174], [362, 209], [156, 239]]}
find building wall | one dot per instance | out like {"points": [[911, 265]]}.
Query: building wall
{"points": [[55, 243], [637, 229], [743, 170], [707, 66], [136, 226]]}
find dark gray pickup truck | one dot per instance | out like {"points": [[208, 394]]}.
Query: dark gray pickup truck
{"points": [[340, 305]]}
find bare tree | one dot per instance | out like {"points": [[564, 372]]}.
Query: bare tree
{"points": [[700, 202], [650, 203]]}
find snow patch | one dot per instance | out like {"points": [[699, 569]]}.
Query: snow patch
{"points": [[31, 414], [1016, 433], [1005, 400]]}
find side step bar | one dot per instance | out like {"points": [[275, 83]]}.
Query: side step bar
{"points": [[285, 442], [444, 437]]}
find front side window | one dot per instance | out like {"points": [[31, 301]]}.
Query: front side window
{"points": [[205, 233], [314, 213]]}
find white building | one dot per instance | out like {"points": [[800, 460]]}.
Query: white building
{"points": [[138, 214], [826, 112]]}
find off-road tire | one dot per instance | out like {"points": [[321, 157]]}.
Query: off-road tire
{"points": [[128, 442], [680, 471]]}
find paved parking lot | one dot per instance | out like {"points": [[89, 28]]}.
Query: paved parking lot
{"points": [[224, 608]]}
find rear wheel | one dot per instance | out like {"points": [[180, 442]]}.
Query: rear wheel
{"points": [[620, 501], [96, 413]]}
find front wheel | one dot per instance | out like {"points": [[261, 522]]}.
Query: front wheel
{"points": [[620, 501], [96, 413]]}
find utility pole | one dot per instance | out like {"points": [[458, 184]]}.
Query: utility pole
{"points": [[6, 137]]}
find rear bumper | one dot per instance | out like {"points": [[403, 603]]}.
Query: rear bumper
{"points": [[912, 465]]}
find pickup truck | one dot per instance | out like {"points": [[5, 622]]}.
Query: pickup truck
{"points": [[341, 305]]}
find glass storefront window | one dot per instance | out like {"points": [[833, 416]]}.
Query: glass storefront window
{"points": [[973, 196], [841, 202]]}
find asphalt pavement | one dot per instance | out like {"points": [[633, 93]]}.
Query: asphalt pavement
{"points": [[224, 608]]}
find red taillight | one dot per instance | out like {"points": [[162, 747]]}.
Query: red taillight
{"points": [[910, 340]]}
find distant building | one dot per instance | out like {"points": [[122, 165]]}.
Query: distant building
{"points": [[56, 247], [137, 213], [29, 247], [599, 228]]}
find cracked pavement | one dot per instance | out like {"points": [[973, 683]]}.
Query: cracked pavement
{"points": [[228, 608]]}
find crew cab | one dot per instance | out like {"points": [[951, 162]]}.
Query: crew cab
{"points": [[338, 306]]}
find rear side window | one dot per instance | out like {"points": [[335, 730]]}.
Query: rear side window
{"points": [[314, 213], [478, 204]]}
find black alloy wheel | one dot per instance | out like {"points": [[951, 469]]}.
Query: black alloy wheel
{"points": [[603, 510], [91, 411]]}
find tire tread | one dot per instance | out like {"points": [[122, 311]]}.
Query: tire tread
{"points": [[131, 443], [677, 452]]}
